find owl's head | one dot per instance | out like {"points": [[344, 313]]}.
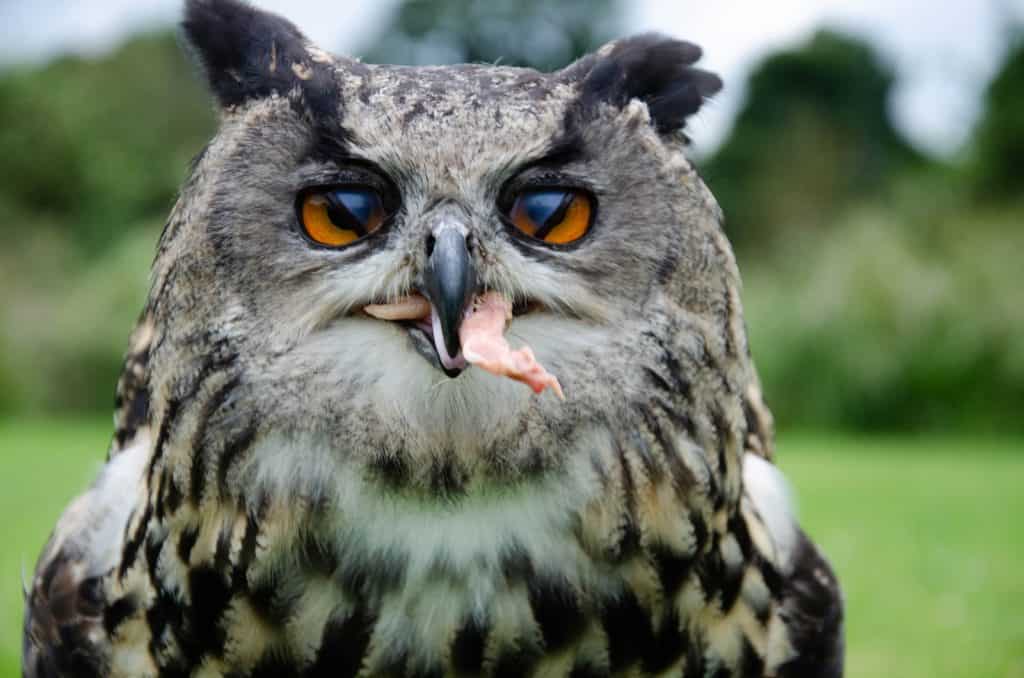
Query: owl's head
{"points": [[334, 184]]}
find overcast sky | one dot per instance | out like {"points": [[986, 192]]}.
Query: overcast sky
{"points": [[944, 51]]}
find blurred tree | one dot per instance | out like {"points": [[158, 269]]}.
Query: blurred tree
{"points": [[812, 137], [534, 33], [96, 145], [999, 140]]}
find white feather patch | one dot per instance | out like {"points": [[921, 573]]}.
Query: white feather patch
{"points": [[770, 493]]}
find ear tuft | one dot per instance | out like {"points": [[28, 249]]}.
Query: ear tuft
{"points": [[246, 53], [655, 69]]}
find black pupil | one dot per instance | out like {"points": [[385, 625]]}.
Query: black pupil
{"points": [[545, 209], [353, 208]]}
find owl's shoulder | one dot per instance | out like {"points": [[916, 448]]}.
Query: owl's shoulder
{"points": [[66, 610]]}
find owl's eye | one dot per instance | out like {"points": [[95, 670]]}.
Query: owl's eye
{"points": [[340, 216], [557, 216]]}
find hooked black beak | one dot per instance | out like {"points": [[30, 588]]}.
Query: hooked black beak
{"points": [[450, 282]]}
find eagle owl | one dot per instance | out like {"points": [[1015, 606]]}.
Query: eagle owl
{"points": [[313, 475]]}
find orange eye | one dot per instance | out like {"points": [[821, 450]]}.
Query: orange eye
{"points": [[340, 216], [557, 216]]}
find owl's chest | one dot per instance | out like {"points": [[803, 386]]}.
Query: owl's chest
{"points": [[498, 588], [558, 574], [465, 594]]}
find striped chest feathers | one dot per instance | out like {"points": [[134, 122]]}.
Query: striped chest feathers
{"points": [[602, 567]]}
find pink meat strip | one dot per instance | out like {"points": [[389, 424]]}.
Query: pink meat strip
{"points": [[482, 335], [413, 307]]}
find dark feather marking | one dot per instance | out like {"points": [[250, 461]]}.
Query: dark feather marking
{"points": [[371, 577], [695, 662], [74, 659], [737, 527], [166, 613], [710, 569], [174, 496], [557, 610], [683, 480], [233, 450], [134, 390], [628, 626], [117, 612], [588, 670], [667, 646], [247, 551], [197, 473], [273, 665], [750, 663], [700, 530], [731, 582], [90, 597], [629, 542], [673, 368], [186, 541], [563, 150], [131, 547], [516, 564], [210, 596], [446, 479], [812, 609], [680, 419], [271, 600], [651, 463], [516, 661], [657, 380], [672, 568], [772, 579], [468, 647], [161, 490], [720, 428], [391, 468], [343, 645], [223, 549], [317, 555], [169, 419]]}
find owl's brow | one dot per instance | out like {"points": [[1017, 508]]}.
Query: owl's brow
{"points": [[564, 149], [330, 145]]}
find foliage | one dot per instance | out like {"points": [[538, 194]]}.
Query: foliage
{"points": [[92, 154], [94, 146], [1000, 136], [812, 137], [534, 33], [892, 326]]}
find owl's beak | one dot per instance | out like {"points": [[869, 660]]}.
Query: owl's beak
{"points": [[449, 283]]}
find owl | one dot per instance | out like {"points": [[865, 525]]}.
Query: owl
{"points": [[324, 463]]}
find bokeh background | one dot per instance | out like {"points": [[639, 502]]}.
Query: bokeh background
{"points": [[867, 156]]}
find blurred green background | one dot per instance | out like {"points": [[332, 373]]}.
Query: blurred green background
{"points": [[882, 288]]}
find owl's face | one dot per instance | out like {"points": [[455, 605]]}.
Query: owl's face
{"points": [[333, 185]]}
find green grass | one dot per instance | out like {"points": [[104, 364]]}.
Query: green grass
{"points": [[922, 531]]}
